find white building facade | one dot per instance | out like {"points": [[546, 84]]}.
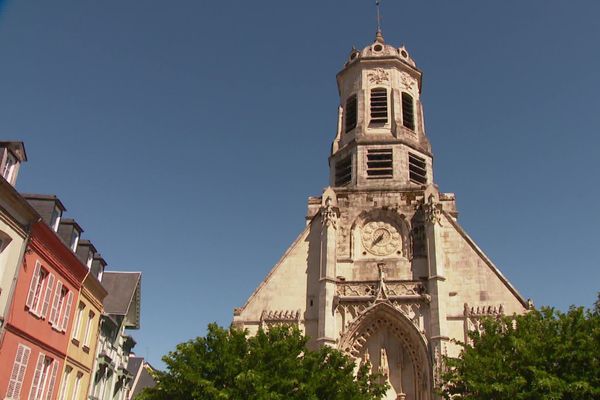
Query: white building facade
{"points": [[383, 271]]}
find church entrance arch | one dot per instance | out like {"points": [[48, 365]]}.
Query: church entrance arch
{"points": [[392, 345]]}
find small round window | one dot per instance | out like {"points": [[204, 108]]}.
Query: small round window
{"points": [[378, 47], [404, 54]]}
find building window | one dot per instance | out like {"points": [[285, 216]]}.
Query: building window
{"points": [[380, 163], [65, 381], [351, 112], [417, 169], [61, 307], [343, 171], [44, 378], [8, 169], [40, 291], [77, 323], [88, 329], [18, 373], [55, 218], [89, 260], [379, 106], [5, 239], [408, 111], [74, 240], [77, 386]]}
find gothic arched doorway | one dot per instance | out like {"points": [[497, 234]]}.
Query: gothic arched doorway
{"points": [[394, 346]]}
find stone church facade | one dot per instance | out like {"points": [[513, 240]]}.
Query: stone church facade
{"points": [[383, 270]]}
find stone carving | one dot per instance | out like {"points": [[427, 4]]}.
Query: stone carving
{"points": [[439, 366], [474, 314], [407, 82], [370, 289], [329, 214], [277, 317], [378, 75], [353, 298], [384, 365], [354, 344], [432, 210]]}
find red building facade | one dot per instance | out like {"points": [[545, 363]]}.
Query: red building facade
{"points": [[35, 341]]}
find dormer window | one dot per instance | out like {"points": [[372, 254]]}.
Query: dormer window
{"points": [[90, 258], [55, 218], [379, 106], [8, 169], [351, 112], [408, 111], [74, 240]]}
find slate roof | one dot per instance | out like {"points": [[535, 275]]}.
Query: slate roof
{"points": [[121, 287], [140, 369]]}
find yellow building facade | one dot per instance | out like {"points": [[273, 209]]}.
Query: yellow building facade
{"points": [[84, 338]]}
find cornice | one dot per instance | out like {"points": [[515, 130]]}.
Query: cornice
{"points": [[47, 243]]}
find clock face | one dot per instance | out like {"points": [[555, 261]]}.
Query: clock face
{"points": [[380, 238]]}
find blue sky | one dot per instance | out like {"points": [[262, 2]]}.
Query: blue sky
{"points": [[186, 136]]}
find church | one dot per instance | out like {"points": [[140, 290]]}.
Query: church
{"points": [[383, 270]]}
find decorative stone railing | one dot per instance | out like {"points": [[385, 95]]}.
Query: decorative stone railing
{"points": [[389, 289]]}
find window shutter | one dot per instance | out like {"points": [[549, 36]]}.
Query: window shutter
{"points": [[37, 377], [33, 286], [48, 295], [52, 380], [408, 111], [54, 313], [379, 114], [22, 370], [18, 372], [350, 113], [66, 316]]}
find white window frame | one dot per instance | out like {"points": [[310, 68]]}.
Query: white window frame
{"points": [[77, 387], [65, 383], [36, 295], [77, 323], [40, 377], [88, 329], [74, 239], [55, 310], [10, 164], [54, 223]]}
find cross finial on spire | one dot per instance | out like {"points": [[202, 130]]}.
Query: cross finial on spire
{"points": [[378, 35]]}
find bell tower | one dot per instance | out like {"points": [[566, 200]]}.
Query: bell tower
{"points": [[382, 270], [380, 140]]}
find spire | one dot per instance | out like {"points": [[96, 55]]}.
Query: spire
{"points": [[378, 35]]}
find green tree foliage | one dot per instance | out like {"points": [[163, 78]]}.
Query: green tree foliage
{"points": [[541, 355], [272, 365]]}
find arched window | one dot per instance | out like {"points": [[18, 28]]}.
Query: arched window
{"points": [[408, 111], [351, 112], [379, 106]]}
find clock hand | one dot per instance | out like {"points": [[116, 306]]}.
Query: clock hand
{"points": [[379, 239]]}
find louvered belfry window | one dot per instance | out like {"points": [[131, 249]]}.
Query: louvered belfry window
{"points": [[343, 171], [417, 169], [408, 111], [380, 163], [379, 106], [351, 111]]}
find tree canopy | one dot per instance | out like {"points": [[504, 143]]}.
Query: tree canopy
{"points": [[274, 364], [543, 354]]}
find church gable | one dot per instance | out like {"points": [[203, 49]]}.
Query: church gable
{"points": [[282, 295]]}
